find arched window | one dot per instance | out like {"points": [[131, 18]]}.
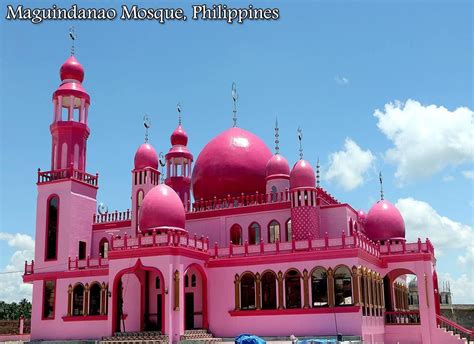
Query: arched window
{"points": [[269, 295], [293, 289], [104, 248], [193, 280], [247, 291], [319, 287], [140, 196], [52, 228], [186, 281], [273, 231], [78, 300], [236, 234], [94, 299], [342, 286], [274, 193], [289, 233], [254, 233]]}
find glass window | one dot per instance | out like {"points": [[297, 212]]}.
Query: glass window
{"points": [[274, 193], [293, 289], [247, 291], [343, 286], [289, 233], [319, 287], [94, 303], [52, 228], [273, 231], [104, 248], [236, 234], [254, 233], [269, 295], [78, 300], [49, 299]]}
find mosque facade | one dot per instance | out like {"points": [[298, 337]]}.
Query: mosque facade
{"points": [[234, 241]]}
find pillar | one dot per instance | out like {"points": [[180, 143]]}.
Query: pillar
{"points": [[331, 297], [305, 289], [257, 291], [236, 290], [280, 290]]}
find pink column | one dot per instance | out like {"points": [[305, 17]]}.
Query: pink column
{"points": [[59, 109], [71, 108], [81, 112]]}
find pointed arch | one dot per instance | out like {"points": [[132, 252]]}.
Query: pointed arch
{"points": [[236, 234], [254, 233], [273, 231]]}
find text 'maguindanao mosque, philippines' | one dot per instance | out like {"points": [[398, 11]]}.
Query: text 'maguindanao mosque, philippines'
{"points": [[228, 241]]}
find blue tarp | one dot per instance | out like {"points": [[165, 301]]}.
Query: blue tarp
{"points": [[248, 339]]}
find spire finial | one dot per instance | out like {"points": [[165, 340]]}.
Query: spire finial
{"points": [[72, 35], [300, 138], [162, 163], [235, 96], [179, 108], [317, 173], [277, 142], [147, 125], [381, 185]]}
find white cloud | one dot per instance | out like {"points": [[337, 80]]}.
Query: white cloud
{"points": [[348, 167], [422, 221], [426, 139], [341, 80], [468, 174], [462, 288], [12, 287]]}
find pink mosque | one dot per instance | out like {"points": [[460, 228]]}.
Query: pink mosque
{"points": [[237, 243]]}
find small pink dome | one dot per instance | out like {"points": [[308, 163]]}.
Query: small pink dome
{"points": [[179, 137], [384, 221], [277, 165], [231, 163], [72, 69], [302, 175], [146, 157], [361, 216], [160, 208]]}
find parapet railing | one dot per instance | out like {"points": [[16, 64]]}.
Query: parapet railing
{"points": [[240, 201], [403, 247], [402, 318], [115, 216], [154, 239], [67, 173], [88, 263], [344, 242]]}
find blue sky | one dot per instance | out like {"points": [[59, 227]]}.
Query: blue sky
{"points": [[325, 66]]}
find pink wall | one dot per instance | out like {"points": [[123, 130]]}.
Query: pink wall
{"points": [[218, 229], [334, 220], [131, 302], [97, 236], [48, 329], [197, 291]]}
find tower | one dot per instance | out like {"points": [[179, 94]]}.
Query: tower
{"points": [[179, 164], [304, 212], [66, 193], [145, 174]]}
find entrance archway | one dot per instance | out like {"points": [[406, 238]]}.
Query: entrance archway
{"points": [[138, 299], [195, 298], [401, 297]]}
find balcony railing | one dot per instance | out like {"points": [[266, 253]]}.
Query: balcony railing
{"points": [[153, 239], [68, 173], [402, 318], [116, 216], [403, 247], [88, 263]]}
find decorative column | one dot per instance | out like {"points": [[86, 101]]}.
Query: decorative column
{"points": [[86, 299], [236, 289], [103, 298], [69, 300], [356, 285], [369, 292], [305, 289], [176, 290], [331, 295], [280, 290], [257, 291]]}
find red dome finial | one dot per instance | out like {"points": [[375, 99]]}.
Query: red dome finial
{"points": [[179, 137], [72, 69], [302, 175], [146, 157]]}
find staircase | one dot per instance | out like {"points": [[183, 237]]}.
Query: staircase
{"points": [[200, 336], [146, 337], [453, 332]]}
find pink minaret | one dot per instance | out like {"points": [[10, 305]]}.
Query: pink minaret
{"points": [[69, 129], [304, 212], [145, 175], [179, 164]]}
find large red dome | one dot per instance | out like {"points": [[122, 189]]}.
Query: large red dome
{"points": [[384, 221], [232, 163]]}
